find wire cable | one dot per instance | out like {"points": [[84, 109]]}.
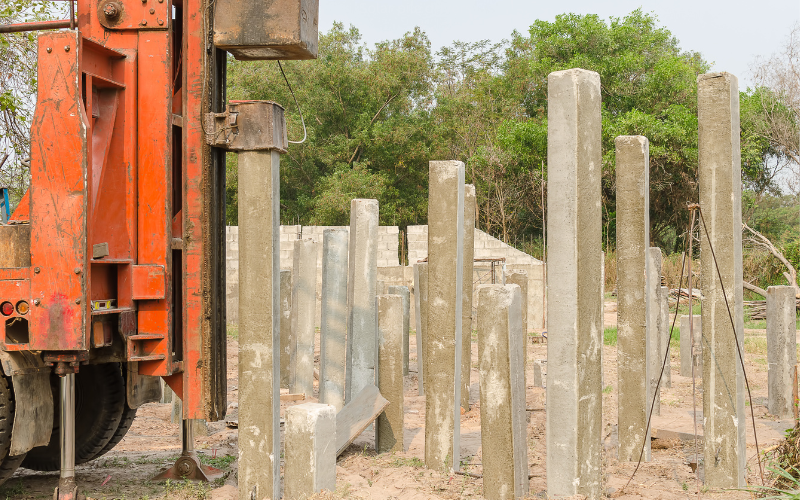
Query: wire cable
{"points": [[302, 120]]}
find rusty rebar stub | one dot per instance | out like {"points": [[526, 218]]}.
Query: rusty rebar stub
{"points": [[248, 126], [692, 206]]}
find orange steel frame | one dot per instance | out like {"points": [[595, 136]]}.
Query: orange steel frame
{"points": [[119, 157]]}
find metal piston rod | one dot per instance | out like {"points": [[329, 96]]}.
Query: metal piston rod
{"points": [[67, 489]]}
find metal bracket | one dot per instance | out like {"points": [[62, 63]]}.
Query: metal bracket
{"points": [[133, 14], [248, 126]]}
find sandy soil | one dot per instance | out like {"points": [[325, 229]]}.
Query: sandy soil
{"points": [[153, 443]]}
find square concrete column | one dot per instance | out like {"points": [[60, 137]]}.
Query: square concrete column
{"points": [[443, 345], [421, 306], [310, 450], [333, 326], [259, 324], [633, 240], [720, 180], [504, 436], [687, 353], [389, 426], [466, 293], [574, 308], [520, 278], [405, 293], [287, 339], [665, 327], [781, 348], [656, 353], [304, 309], [362, 281]]}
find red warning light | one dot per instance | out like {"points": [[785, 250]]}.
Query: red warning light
{"points": [[7, 308]]}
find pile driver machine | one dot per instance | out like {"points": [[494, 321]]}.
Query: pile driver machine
{"points": [[112, 264]]}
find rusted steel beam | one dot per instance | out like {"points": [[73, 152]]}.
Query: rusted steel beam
{"points": [[37, 26]]}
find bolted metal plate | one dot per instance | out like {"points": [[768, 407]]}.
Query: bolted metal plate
{"points": [[134, 14], [267, 29]]}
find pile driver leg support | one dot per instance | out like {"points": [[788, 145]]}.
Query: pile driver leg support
{"points": [[188, 466], [67, 489]]}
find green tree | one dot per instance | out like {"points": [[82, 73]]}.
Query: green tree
{"points": [[648, 88], [18, 91], [366, 113]]}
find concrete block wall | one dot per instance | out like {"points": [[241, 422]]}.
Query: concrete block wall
{"points": [[388, 257], [488, 247]]}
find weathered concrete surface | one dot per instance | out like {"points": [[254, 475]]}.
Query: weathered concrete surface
{"points": [[633, 240], [259, 325], [503, 416], [443, 343], [362, 349], [520, 278], [389, 426], [574, 308], [287, 339], [781, 348], [304, 302], [466, 292], [333, 330], [720, 180], [539, 373], [686, 347], [665, 329], [405, 294], [310, 450], [655, 357], [421, 303]]}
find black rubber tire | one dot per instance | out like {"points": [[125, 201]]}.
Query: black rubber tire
{"points": [[128, 414], [6, 416], [9, 466], [99, 404]]}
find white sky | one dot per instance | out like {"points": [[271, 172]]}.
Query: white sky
{"points": [[729, 33]]}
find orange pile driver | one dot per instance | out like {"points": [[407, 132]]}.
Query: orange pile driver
{"points": [[112, 265]]}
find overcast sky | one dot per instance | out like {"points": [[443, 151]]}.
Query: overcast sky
{"points": [[730, 34]]}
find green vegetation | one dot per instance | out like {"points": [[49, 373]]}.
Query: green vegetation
{"points": [[221, 462], [610, 336], [377, 115]]}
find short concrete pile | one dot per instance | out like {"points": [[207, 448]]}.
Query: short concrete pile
{"points": [[655, 355], [362, 349], [633, 229], [304, 303], [691, 346], [443, 347], [333, 326], [389, 426], [781, 349], [421, 307], [310, 465], [503, 416]]}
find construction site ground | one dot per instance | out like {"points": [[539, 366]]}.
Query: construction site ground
{"points": [[153, 444]]}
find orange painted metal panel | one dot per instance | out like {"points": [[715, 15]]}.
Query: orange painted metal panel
{"points": [[154, 187], [22, 212], [14, 290], [149, 282], [58, 198]]}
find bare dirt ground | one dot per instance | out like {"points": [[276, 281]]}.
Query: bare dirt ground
{"points": [[153, 443]]}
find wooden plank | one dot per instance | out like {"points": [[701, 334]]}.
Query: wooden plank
{"points": [[357, 415], [293, 397]]}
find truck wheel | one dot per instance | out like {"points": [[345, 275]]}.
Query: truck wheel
{"points": [[8, 465], [100, 401], [125, 422]]}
